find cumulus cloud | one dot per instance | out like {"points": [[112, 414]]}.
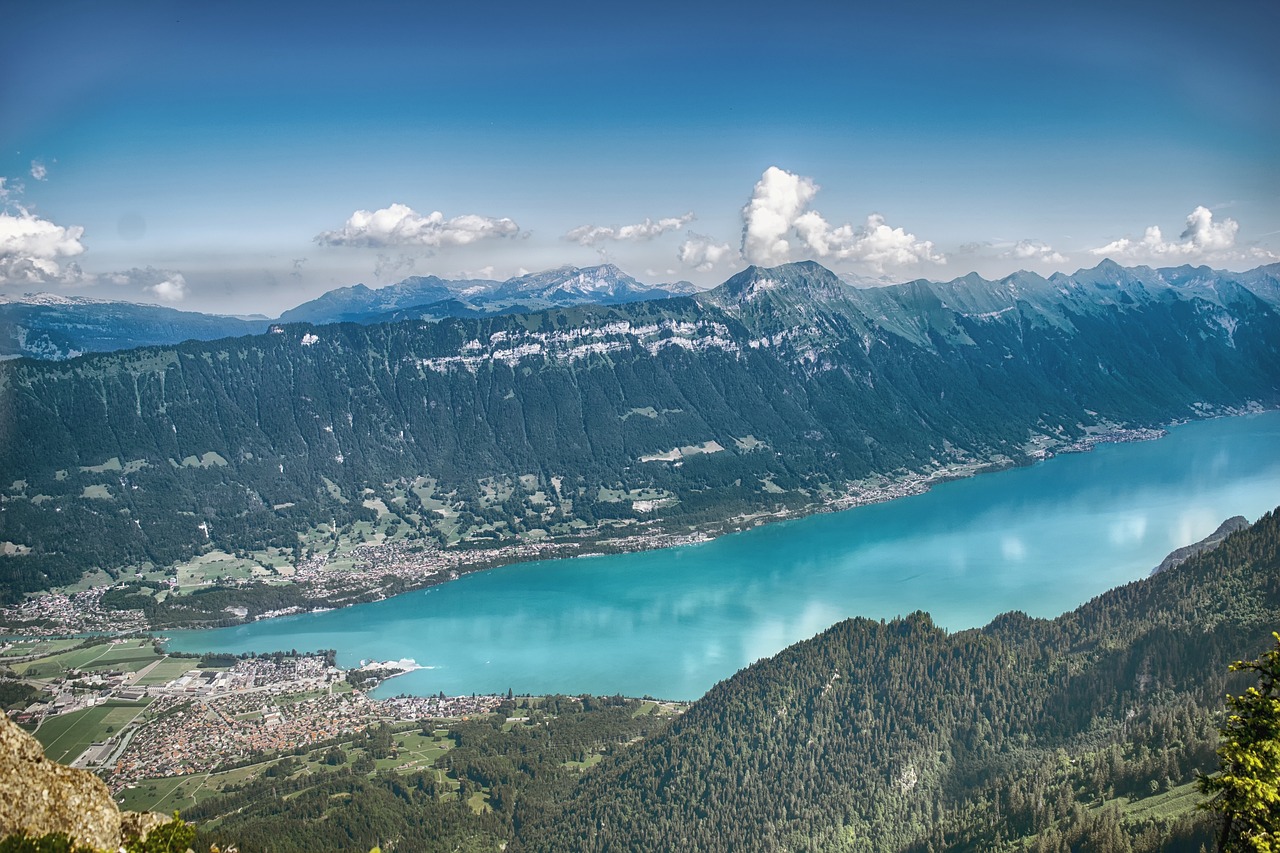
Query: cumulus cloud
{"points": [[776, 203], [777, 221], [1035, 250], [39, 170], [590, 235], [1202, 238], [703, 254], [166, 285], [32, 250], [401, 225]]}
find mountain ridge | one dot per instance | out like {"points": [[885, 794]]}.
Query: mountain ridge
{"points": [[55, 326], [641, 418]]}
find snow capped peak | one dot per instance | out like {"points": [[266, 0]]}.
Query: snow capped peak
{"points": [[51, 299]]}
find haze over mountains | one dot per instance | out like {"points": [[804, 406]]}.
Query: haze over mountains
{"points": [[52, 326], [781, 390]]}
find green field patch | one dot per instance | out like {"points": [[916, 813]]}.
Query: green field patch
{"points": [[494, 490], [40, 647], [680, 453], [96, 577], [13, 549], [749, 443], [206, 460], [129, 663], [771, 487], [58, 664], [124, 656], [165, 671], [168, 793], [1183, 799], [435, 506], [377, 505], [96, 492], [589, 761], [214, 564], [112, 464], [66, 736], [334, 490]]}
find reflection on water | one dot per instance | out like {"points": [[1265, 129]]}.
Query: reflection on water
{"points": [[671, 623]]}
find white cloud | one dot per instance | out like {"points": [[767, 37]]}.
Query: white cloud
{"points": [[776, 203], [589, 235], [39, 171], [482, 274], [703, 254], [172, 289], [1202, 238], [1036, 251], [776, 220], [32, 250], [400, 225], [165, 285]]}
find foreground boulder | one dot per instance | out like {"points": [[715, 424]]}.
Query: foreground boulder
{"points": [[41, 797]]}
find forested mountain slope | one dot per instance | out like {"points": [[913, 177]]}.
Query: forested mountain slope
{"points": [[49, 326], [781, 388], [901, 737]]}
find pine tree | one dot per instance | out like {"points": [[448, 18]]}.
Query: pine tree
{"points": [[1247, 790]]}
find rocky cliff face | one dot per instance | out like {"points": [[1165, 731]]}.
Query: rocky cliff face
{"points": [[40, 797]]}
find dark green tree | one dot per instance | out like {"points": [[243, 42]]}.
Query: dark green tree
{"points": [[1246, 792]]}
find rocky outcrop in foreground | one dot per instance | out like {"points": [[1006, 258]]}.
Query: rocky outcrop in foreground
{"points": [[41, 797]]}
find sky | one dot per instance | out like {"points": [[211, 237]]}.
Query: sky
{"points": [[245, 157]]}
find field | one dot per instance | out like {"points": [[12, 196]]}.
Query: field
{"points": [[128, 655], [415, 752], [66, 736], [166, 670], [171, 793], [22, 648]]}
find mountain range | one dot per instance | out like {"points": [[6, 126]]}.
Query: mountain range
{"points": [[51, 326], [778, 392]]}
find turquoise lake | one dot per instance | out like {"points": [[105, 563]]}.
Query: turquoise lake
{"points": [[671, 623]]}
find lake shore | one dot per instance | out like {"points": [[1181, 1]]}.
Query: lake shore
{"points": [[382, 570]]}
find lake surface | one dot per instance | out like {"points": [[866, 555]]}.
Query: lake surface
{"points": [[671, 623]]}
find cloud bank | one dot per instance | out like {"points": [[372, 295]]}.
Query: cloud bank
{"points": [[166, 285], [703, 254], [1202, 238], [776, 223], [401, 225], [1035, 250], [32, 250], [590, 235]]}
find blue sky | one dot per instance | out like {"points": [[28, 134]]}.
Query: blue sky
{"points": [[217, 156]]}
